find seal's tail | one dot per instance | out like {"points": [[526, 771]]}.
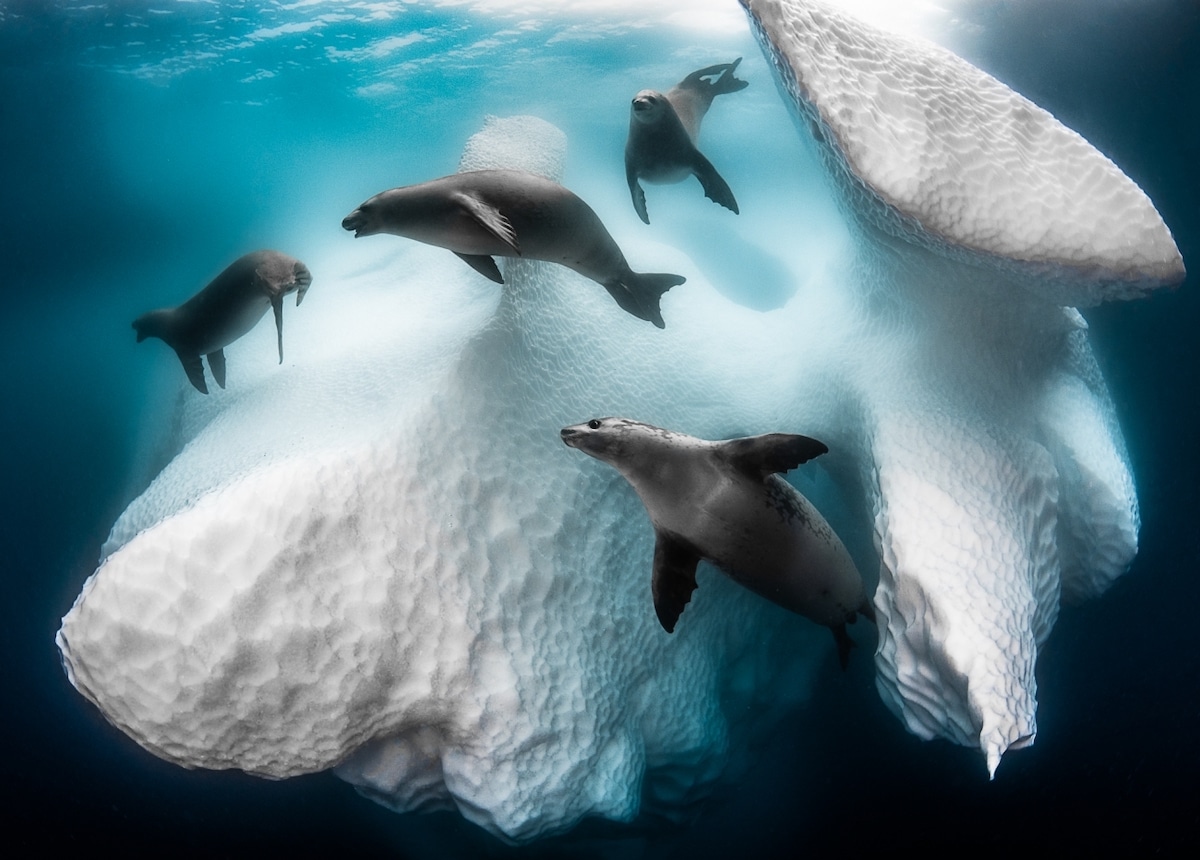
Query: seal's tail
{"points": [[639, 294], [726, 83]]}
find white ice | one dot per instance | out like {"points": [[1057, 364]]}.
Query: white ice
{"points": [[380, 558], [383, 559], [992, 458]]}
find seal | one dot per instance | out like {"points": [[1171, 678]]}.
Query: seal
{"points": [[482, 214], [723, 502], [663, 129], [225, 310]]}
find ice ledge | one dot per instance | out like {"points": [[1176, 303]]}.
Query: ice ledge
{"points": [[957, 161]]}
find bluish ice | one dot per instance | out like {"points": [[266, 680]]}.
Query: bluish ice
{"points": [[146, 146]]}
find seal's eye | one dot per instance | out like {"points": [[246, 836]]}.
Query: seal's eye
{"points": [[594, 424]]}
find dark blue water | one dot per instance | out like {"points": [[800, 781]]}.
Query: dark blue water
{"points": [[142, 150]]}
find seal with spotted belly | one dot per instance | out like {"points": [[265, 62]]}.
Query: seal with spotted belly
{"points": [[225, 310], [480, 214], [664, 129], [724, 502]]}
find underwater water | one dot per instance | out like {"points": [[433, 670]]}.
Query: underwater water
{"points": [[147, 145]]}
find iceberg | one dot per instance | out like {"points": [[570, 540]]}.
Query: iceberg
{"points": [[381, 560], [991, 455]]}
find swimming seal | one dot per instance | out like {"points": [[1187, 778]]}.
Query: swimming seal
{"points": [[724, 502], [480, 214], [225, 310], [663, 130]]}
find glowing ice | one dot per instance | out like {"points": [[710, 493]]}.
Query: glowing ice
{"points": [[381, 558], [386, 560], [944, 155], [993, 461]]}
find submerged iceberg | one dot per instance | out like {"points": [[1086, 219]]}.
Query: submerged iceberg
{"points": [[384, 560], [381, 559], [991, 456]]}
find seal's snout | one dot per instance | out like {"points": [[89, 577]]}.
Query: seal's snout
{"points": [[354, 222], [644, 101], [584, 436], [149, 325]]}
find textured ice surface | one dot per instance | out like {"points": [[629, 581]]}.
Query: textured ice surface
{"points": [[992, 458], [380, 558], [384, 559], [956, 157]]}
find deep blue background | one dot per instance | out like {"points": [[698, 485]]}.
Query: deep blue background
{"points": [[1117, 751]]}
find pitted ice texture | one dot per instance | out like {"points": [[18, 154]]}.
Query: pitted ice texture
{"points": [[993, 461], [383, 559], [380, 558], [961, 160]]}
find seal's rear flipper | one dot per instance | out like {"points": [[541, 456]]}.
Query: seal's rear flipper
{"points": [[727, 83], [194, 370], [483, 264], [715, 188], [674, 578], [216, 363], [639, 294], [844, 644], [760, 456], [277, 305]]}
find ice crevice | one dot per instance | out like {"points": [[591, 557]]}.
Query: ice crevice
{"points": [[380, 559]]}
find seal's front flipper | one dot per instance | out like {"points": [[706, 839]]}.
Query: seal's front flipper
{"points": [[674, 578], [491, 219], [715, 188], [194, 370], [303, 281], [639, 294], [277, 305], [636, 192], [844, 644], [216, 363], [483, 264], [760, 456]]}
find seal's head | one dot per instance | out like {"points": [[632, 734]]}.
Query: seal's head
{"points": [[158, 323], [403, 211], [648, 106], [365, 220], [600, 438], [614, 440]]}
